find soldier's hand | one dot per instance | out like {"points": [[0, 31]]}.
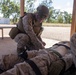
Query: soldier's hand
{"points": [[23, 55], [43, 43]]}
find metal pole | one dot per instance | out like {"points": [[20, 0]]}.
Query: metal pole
{"points": [[73, 25], [21, 7]]}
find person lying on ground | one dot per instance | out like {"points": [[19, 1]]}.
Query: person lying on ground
{"points": [[58, 66], [41, 60]]}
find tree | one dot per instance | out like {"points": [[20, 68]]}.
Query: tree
{"points": [[54, 16], [60, 17], [48, 4], [50, 17], [67, 17], [9, 8], [29, 5]]}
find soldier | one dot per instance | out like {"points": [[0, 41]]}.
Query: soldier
{"points": [[38, 61], [30, 27], [57, 67], [73, 47]]}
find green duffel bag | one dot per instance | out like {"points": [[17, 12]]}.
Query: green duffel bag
{"points": [[13, 32]]}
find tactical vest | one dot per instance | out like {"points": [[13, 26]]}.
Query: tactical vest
{"points": [[37, 29]]}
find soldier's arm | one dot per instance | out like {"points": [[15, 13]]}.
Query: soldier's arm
{"points": [[60, 66], [39, 37], [32, 53], [68, 58], [27, 24]]}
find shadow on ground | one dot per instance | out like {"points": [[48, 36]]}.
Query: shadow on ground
{"points": [[7, 45]]}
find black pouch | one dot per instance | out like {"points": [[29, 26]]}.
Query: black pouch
{"points": [[13, 32]]}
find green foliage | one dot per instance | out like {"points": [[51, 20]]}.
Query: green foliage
{"points": [[67, 17], [9, 8], [47, 3], [60, 17], [56, 16], [29, 5]]}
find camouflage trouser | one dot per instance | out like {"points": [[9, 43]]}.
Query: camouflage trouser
{"points": [[8, 61], [24, 69], [23, 41]]}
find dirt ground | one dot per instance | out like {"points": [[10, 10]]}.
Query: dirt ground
{"points": [[7, 45]]}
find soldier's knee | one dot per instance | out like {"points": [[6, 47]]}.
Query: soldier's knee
{"points": [[25, 38], [21, 36]]}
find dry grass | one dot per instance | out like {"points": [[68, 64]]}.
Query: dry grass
{"points": [[56, 25]]}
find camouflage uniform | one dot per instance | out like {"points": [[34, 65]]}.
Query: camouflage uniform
{"points": [[30, 29], [42, 58]]}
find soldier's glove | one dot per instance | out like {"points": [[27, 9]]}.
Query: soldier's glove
{"points": [[20, 50], [23, 55]]}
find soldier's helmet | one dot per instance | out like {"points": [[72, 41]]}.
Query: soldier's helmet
{"points": [[42, 11]]}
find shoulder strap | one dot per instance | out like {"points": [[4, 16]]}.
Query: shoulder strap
{"points": [[54, 51], [60, 56], [25, 13], [62, 45], [34, 67]]}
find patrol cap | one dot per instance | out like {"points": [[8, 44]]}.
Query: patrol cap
{"points": [[43, 11]]}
